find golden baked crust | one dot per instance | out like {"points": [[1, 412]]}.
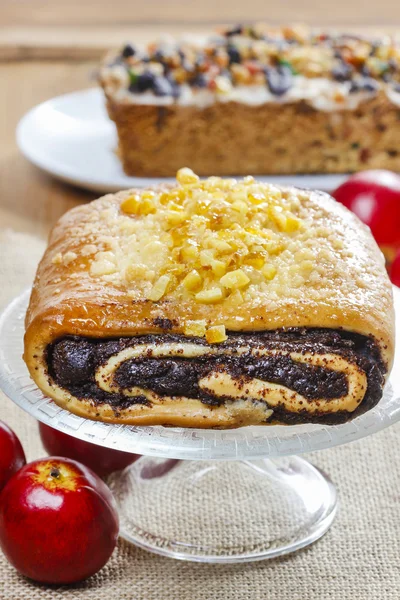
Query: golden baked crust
{"points": [[280, 257]]}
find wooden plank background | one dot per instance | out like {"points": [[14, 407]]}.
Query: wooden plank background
{"points": [[61, 30], [85, 29], [31, 201], [126, 12]]}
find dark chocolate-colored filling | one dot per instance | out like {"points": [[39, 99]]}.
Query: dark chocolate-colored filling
{"points": [[179, 377], [73, 361]]}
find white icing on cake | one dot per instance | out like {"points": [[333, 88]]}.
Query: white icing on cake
{"points": [[319, 92]]}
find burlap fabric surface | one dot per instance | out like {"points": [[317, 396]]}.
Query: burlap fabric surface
{"points": [[357, 559]]}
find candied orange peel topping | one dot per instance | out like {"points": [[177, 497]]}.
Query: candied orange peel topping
{"points": [[218, 234], [207, 241]]}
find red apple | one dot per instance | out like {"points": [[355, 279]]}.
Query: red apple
{"points": [[12, 456], [58, 521], [395, 270], [374, 196], [102, 460]]}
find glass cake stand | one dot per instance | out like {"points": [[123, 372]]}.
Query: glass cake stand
{"points": [[206, 495]]}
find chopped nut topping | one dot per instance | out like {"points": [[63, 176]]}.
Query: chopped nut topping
{"points": [[216, 334]]}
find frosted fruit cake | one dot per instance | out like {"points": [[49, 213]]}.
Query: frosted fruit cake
{"points": [[256, 100]]}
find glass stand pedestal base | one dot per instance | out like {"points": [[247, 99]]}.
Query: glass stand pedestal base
{"points": [[223, 512], [208, 511]]}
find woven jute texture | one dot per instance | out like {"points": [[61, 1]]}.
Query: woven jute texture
{"points": [[358, 559]]}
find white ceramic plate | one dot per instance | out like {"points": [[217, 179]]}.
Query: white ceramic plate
{"points": [[72, 138]]}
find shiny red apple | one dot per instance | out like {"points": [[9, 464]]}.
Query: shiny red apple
{"points": [[102, 461], [12, 456], [395, 270], [374, 196], [58, 521]]}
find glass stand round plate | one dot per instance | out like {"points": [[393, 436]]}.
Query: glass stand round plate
{"points": [[206, 495]]}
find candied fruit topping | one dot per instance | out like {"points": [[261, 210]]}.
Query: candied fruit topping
{"points": [[258, 55], [235, 279], [136, 205], [288, 243], [216, 334], [211, 240], [201, 239], [159, 288], [186, 176], [210, 296]]}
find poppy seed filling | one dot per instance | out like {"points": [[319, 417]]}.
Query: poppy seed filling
{"points": [[73, 362]]}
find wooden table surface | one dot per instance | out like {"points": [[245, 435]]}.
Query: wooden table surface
{"points": [[30, 200], [36, 30], [129, 12]]}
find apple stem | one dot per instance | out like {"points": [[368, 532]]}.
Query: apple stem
{"points": [[55, 472]]}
